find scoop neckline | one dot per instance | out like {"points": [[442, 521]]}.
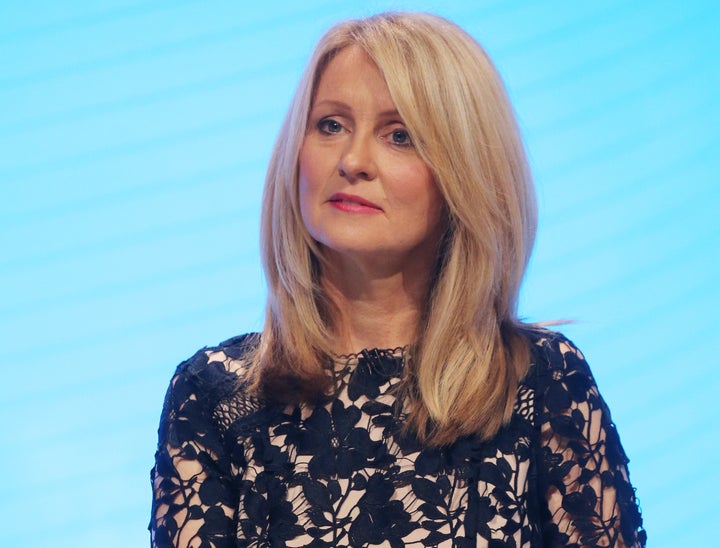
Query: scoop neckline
{"points": [[370, 353]]}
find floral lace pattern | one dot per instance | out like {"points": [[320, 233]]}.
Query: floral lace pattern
{"points": [[233, 471]]}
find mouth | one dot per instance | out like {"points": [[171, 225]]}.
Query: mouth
{"points": [[350, 202]]}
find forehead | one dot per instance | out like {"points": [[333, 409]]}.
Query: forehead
{"points": [[351, 75]]}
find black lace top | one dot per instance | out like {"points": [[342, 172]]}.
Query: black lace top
{"points": [[232, 471]]}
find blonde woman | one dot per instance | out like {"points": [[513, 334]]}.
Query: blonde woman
{"points": [[393, 397]]}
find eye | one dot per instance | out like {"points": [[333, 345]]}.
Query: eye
{"points": [[400, 137], [329, 126]]}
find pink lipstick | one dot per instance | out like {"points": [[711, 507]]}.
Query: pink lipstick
{"points": [[353, 204]]}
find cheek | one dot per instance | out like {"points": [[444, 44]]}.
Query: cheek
{"points": [[304, 198], [310, 169], [309, 183], [437, 213], [305, 178], [416, 185], [431, 204]]}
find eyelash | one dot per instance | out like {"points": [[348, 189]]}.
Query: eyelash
{"points": [[325, 124], [408, 141]]}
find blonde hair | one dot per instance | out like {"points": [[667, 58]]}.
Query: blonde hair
{"points": [[471, 354]]}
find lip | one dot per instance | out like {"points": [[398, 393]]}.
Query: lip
{"points": [[352, 203]]}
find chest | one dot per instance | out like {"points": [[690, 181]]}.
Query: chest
{"points": [[343, 474]]}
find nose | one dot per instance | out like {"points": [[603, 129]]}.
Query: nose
{"points": [[357, 162]]}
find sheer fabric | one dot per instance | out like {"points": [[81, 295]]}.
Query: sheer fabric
{"points": [[233, 471]]}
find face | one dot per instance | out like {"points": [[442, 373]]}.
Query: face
{"points": [[364, 190]]}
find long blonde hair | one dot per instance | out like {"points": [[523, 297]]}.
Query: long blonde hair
{"points": [[471, 354]]}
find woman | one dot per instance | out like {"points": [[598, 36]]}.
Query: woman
{"points": [[393, 397]]}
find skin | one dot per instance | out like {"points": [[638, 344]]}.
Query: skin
{"points": [[371, 202]]}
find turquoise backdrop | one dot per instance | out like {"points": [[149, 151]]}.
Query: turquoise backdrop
{"points": [[134, 137]]}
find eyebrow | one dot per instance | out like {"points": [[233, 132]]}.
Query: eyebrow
{"points": [[345, 107]]}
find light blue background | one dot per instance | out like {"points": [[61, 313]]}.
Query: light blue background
{"points": [[133, 141]]}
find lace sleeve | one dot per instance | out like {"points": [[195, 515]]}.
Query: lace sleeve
{"points": [[193, 498], [590, 501]]}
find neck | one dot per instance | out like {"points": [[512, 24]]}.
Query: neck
{"points": [[376, 306]]}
